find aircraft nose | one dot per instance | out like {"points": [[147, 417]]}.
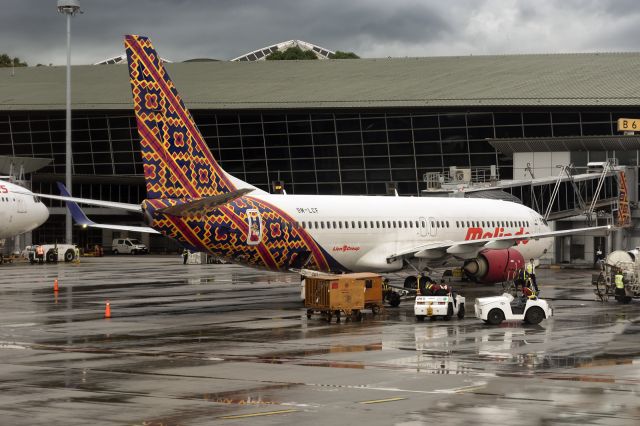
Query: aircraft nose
{"points": [[42, 213]]}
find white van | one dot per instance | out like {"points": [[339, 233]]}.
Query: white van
{"points": [[128, 246]]}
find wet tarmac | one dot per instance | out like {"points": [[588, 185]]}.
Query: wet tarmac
{"points": [[224, 344]]}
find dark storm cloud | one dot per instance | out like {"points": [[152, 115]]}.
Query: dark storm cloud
{"points": [[182, 29]]}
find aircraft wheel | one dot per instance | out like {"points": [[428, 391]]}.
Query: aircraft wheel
{"points": [[411, 282], [495, 316]]}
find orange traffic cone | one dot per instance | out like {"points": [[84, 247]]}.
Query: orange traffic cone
{"points": [[55, 285], [107, 310]]}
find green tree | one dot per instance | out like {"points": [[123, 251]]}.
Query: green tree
{"points": [[343, 55], [291, 54], [7, 61]]}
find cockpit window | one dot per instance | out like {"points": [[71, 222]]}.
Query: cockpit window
{"points": [[36, 199]]}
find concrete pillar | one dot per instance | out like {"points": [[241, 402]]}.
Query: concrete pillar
{"points": [[146, 239], [107, 239]]}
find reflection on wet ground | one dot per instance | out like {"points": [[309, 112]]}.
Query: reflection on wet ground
{"points": [[202, 344]]}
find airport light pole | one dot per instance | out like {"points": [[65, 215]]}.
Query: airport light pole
{"points": [[69, 8]]}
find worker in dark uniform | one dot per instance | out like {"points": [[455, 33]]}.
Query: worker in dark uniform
{"points": [[185, 256], [521, 279], [598, 258]]}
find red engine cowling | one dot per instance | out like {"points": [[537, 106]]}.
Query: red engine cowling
{"points": [[492, 266]]}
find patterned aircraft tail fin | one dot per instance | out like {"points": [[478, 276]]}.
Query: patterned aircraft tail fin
{"points": [[177, 161]]}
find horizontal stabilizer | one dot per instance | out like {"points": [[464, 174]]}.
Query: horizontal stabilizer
{"points": [[202, 205], [81, 219]]}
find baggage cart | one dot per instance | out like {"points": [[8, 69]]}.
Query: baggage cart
{"points": [[346, 294]]}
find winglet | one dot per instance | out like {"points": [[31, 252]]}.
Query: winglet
{"points": [[78, 215]]}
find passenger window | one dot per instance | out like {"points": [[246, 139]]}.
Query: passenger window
{"points": [[353, 224], [364, 224], [317, 227], [346, 224], [371, 224], [359, 224], [389, 224], [382, 224], [377, 224]]}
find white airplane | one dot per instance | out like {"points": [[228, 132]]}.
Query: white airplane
{"points": [[191, 199], [20, 210]]}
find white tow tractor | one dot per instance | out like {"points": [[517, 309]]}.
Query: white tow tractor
{"points": [[439, 306], [494, 310]]}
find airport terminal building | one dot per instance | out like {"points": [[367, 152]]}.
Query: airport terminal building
{"points": [[331, 126]]}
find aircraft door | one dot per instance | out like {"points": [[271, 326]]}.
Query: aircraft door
{"points": [[422, 228], [254, 231], [22, 207], [433, 229], [535, 222]]}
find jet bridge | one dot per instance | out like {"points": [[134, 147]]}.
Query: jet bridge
{"points": [[603, 190]]}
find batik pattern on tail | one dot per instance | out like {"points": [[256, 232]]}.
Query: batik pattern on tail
{"points": [[177, 160], [179, 166]]}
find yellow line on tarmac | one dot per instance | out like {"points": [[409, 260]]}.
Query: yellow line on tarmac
{"points": [[379, 401], [265, 413]]}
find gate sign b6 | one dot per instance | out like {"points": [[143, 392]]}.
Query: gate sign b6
{"points": [[628, 124]]}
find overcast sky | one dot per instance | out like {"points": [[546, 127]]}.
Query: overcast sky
{"points": [[223, 29]]}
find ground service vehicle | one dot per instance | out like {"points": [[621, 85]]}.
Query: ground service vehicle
{"points": [[128, 246], [494, 310], [628, 262], [335, 295], [439, 306], [52, 253]]}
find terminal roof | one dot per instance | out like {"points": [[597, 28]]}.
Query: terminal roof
{"points": [[560, 80]]}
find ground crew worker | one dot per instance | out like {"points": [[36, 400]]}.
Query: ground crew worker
{"points": [[521, 279], [598, 258], [185, 256], [619, 281], [76, 253], [531, 272], [40, 254]]}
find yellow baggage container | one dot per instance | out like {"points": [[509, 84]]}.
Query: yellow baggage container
{"points": [[348, 294]]}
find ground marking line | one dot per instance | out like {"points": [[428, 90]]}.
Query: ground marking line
{"points": [[379, 401], [264, 413]]}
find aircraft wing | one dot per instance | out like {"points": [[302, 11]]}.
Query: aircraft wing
{"points": [[100, 203], [81, 219], [470, 248]]}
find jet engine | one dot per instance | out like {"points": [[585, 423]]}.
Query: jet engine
{"points": [[494, 265]]}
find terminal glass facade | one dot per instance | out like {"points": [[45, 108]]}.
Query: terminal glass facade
{"points": [[313, 152]]}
